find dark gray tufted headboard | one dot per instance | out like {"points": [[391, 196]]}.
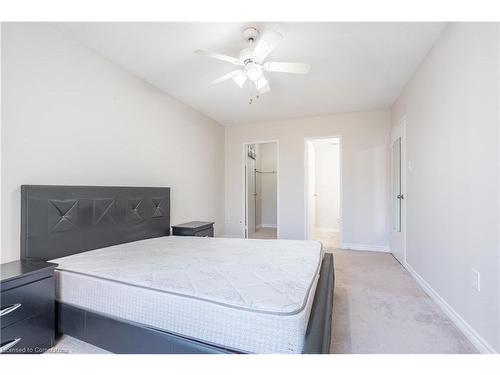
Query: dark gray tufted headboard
{"points": [[57, 221]]}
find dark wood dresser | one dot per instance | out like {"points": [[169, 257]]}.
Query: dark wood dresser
{"points": [[194, 228], [27, 314]]}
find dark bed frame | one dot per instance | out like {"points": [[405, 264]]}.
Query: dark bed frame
{"points": [[58, 221]]}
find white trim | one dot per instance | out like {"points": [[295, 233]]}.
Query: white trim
{"points": [[399, 131], [365, 247], [328, 230], [306, 185], [474, 337], [244, 193], [268, 225], [498, 174], [231, 236]]}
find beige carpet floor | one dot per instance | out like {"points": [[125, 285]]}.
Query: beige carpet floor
{"points": [[329, 239], [265, 234], [69, 345], [378, 308]]}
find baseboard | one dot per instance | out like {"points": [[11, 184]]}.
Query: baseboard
{"points": [[268, 225], [327, 230], [232, 236], [474, 337], [365, 247]]}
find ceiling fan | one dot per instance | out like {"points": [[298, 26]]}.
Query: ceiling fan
{"points": [[251, 60]]}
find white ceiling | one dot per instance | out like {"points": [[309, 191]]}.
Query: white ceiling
{"points": [[354, 66]]}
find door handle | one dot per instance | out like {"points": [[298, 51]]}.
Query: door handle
{"points": [[9, 309], [9, 344]]}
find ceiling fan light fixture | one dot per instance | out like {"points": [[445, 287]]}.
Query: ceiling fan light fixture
{"points": [[240, 79], [254, 71], [262, 85]]}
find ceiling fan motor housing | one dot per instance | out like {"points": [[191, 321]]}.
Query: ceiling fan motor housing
{"points": [[252, 65], [246, 56], [250, 34]]}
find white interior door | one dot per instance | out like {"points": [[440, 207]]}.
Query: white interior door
{"points": [[398, 190]]}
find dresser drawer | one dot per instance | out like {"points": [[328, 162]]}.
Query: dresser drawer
{"points": [[33, 335], [27, 300], [209, 232]]}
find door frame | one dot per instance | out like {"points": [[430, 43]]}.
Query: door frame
{"points": [[399, 131], [307, 142], [244, 190]]}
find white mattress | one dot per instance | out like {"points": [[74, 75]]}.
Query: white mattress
{"points": [[250, 295]]}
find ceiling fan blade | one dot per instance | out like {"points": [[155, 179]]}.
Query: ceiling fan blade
{"points": [[266, 43], [262, 85], [286, 67], [227, 76], [218, 56], [240, 78]]}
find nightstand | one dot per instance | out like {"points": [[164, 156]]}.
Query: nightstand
{"points": [[27, 316], [194, 228]]}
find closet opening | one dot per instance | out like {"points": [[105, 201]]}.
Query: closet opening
{"points": [[261, 190]]}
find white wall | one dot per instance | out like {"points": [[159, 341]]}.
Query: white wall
{"points": [[71, 117], [365, 147], [309, 189], [267, 185], [327, 176], [452, 114], [1, 101]]}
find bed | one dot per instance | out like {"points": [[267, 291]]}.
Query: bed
{"points": [[124, 284]]}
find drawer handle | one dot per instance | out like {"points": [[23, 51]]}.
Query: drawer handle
{"points": [[9, 309], [9, 345]]}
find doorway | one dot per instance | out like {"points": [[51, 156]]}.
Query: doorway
{"points": [[323, 190], [398, 191], [261, 190]]}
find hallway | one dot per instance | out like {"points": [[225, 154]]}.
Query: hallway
{"points": [[265, 234]]}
